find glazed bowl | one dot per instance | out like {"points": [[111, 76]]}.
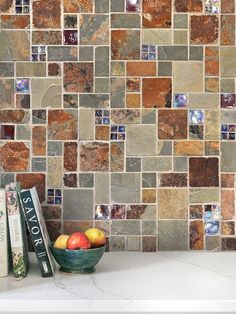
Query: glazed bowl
{"points": [[77, 261]]}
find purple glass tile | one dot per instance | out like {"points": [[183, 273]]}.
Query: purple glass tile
{"points": [[106, 121], [98, 113], [152, 56], [196, 116], [98, 120], [7, 132], [224, 135], [227, 100], [180, 101], [18, 9], [232, 128], [117, 211], [71, 37], [42, 57], [34, 57], [57, 192], [121, 128], [22, 85], [224, 127], [114, 128], [113, 136], [58, 200], [34, 49], [50, 200], [144, 55], [121, 136], [102, 212], [212, 227], [133, 5]]}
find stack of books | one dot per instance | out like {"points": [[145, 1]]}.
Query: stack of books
{"points": [[19, 210]]}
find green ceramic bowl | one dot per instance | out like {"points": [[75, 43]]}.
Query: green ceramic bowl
{"points": [[77, 261]]}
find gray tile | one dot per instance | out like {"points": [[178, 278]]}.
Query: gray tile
{"points": [[102, 85], [117, 5], [118, 68], [164, 148], [149, 227], [133, 164], [6, 178], [227, 86], [94, 29], [94, 100], [117, 244], [78, 204], [212, 243], [117, 92], [180, 163], [101, 6], [149, 116], [181, 21], [39, 116], [125, 187], [157, 163], [102, 61], [172, 235], [39, 164], [125, 227], [62, 53], [86, 180], [70, 101], [133, 243], [54, 148], [196, 53], [86, 53], [23, 132], [102, 188], [228, 64], [86, 124], [228, 153], [125, 20], [149, 180], [165, 68], [173, 53], [6, 69]]}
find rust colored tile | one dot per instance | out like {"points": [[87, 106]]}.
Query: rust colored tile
{"points": [[141, 68], [94, 156], [78, 77], [52, 212], [157, 13], [118, 211], [22, 101], [227, 228], [46, 37], [212, 61], [117, 156], [173, 179], [14, 156], [212, 147], [149, 244], [195, 211], [132, 101], [62, 125], [125, 44], [203, 171], [29, 180], [136, 211], [133, 84], [6, 6], [227, 180], [172, 124], [102, 133], [149, 195], [227, 6], [46, 13], [227, 204], [157, 92], [196, 235], [54, 229], [70, 180], [12, 116], [72, 226], [78, 6], [188, 6], [228, 244], [188, 148], [227, 31], [15, 21], [70, 156], [39, 140], [54, 69], [204, 29]]}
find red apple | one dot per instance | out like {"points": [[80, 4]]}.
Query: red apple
{"points": [[78, 240]]}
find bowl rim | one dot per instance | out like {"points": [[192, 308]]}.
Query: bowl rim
{"points": [[77, 250]]}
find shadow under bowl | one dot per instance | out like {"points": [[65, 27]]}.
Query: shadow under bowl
{"points": [[77, 261]]}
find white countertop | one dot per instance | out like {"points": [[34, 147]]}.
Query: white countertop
{"points": [[131, 282]]}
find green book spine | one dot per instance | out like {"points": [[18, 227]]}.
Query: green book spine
{"points": [[38, 232], [17, 232]]}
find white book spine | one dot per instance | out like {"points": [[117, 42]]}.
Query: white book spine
{"points": [[4, 267]]}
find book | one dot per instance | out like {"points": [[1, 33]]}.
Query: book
{"points": [[38, 231], [17, 231], [4, 264]]}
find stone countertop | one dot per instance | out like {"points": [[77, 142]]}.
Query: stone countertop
{"points": [[133, 282]]}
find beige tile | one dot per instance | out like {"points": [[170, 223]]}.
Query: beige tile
{"points": [[157, 36], [203, 100], [228, 64], [173, 203], [187, 77], [212, 119]]}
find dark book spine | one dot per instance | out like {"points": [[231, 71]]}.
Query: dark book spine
{"points": [[36, 233]]}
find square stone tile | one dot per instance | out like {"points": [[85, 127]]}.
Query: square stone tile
{"points": [[102, 6], [125, 44], [203, 171], [117, 5], [196, 53], [188, 77], [172, 235], [165, 68], [180, 21], [180, 37], [78, 77], [141, 140], [125, 188], [172, 124], [156, 92], [78, 204], [94, 156], [204, 29], [154, 17], [94, 29], [133, 164], [86, 53], [46, 16], [172, 204]]}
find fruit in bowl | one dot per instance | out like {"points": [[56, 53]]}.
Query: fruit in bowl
{"points": [[79, 252]]}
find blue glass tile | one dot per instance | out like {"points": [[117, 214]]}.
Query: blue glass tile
{"points": [[145, 48], [212, 227], [114, 128], [180, 101], [144, 56], [98, 113], [121, 128], [106, 113], [51, 192], [224, 127], [34, 49], [224, 135], [196, 116], [34, 57], [113, 136], [18, 9], [19, 2], [98, 120], [58, 192], [152, 48], [57, 200], [22, 85], [152, 56], [106, 121]]}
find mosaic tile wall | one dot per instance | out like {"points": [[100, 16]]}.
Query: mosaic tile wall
{"points": [[123, 114]]}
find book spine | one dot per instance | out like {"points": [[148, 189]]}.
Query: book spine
{"points": [[4, 265], [18, 249], [36, 233]]}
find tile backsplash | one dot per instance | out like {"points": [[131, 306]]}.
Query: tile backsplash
{"points": [[123, 115]]}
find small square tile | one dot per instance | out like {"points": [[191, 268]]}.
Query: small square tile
{"points": [[86, 53], [227, 100], [195, 212], [133, 5], [70, 180], [212, 227], [117, 6], [7, 132], [102, 212], [149, 227], [86, 180], [22, 85], [165, 68], [180, 100], [149, 180], [102, 85], [133, 84], [117, 68], [227, 86], [133, 164], [70, 37], [180, 37], [54, 148], [70, 21], [149, 244], [102, 6], [149, 196], [212, 84], [196, 132], [180, 163], [38, 164], [117, 211], [196, 116], [196, 53], [181, 21]]}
